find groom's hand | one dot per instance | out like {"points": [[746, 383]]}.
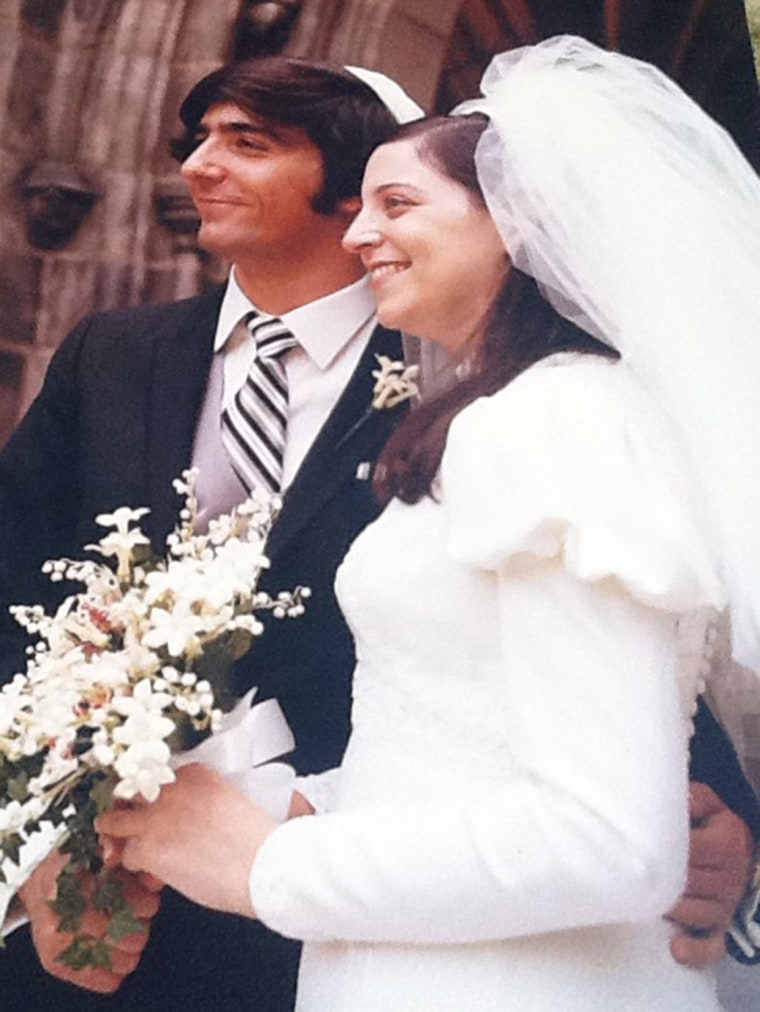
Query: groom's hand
{"points": [[720, 863], [36, 894]]}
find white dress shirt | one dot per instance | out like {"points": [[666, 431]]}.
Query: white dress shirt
{"points": [[332, 333]]}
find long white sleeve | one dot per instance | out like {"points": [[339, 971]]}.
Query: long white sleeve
{"points": [[594, 829]]}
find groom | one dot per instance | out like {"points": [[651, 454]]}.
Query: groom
{"points": [[273, 155]]}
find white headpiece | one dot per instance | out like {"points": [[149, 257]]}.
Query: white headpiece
{"points": [[391, 94], [640, 220]]}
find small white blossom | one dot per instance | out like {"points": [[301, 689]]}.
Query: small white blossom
{"points": [[143, 769], [394, 383], [12, 817], [176, 630], [121, 542], [103, 755]]}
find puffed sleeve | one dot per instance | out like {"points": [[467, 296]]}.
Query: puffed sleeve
{"points": [[593, 827], [573, 460]]}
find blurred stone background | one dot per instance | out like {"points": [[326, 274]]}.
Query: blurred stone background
{"points": [[93, 212]]}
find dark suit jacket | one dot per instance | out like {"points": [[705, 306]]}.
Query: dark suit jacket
{"points": [[113, 426]]}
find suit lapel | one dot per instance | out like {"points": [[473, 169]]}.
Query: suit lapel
{"points": [[351, 434], [182, 352]]}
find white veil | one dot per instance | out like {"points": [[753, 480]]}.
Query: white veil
{"points": [[640, 220]]}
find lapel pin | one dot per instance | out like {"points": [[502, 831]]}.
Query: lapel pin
{"points": [[363, 471]]}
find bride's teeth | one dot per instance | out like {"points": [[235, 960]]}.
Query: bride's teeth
{"points": [[385, 269]]}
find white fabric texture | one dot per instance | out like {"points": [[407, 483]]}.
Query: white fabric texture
{"points": [[640, 219], [511, 820]]}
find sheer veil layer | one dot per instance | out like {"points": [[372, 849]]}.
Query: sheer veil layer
{"points": [[640, 219]]}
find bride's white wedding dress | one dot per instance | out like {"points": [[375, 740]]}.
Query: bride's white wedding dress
{"points": [[510, 820]]}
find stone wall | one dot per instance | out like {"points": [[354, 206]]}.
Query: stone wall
{"points": [[88, 96]]}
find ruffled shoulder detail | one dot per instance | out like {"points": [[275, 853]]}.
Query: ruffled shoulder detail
{"points": [[574, 460]]}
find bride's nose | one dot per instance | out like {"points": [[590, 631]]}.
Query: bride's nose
{"points": [[360, 234]]}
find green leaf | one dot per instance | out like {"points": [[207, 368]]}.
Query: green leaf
{"points": [[102, 795], [18, 787], [240, 643], [55, 815], [109, 893], [11, 847], [69, 904], [83, 844], [84, 951], [123, 923]]}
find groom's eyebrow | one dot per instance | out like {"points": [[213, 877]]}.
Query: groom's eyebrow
{"points": [[243, 127]]}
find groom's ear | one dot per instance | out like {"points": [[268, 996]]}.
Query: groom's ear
{"points": [[349, 207]]}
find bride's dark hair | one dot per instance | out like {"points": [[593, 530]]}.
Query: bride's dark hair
{"points": [[520, 329]]}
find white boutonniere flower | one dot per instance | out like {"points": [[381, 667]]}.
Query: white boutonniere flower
{"points": [[395, 383]]}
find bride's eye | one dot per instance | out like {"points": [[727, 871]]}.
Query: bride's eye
{"points": [[395, 204]]}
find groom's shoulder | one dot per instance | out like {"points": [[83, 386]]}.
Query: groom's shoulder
{"points": [[137, 330], [157, 315]]}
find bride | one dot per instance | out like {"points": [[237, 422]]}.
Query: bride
{"points": [[509, 823]]}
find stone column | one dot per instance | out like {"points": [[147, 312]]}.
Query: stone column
{"points": [[89, 91], [407, 41]]}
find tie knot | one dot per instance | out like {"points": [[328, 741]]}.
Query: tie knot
{"points": [[271, 335]]}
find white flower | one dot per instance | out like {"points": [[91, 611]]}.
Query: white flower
{"points": [[141, 661], [110, 669], [143, 702], [103, 755], [177, 630], [121, 542], [12, 817], [121, 518], [394, 383], [185, 486], [143, 769]]}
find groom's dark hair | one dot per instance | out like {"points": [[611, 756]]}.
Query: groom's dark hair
{"points": [[339, 113]]}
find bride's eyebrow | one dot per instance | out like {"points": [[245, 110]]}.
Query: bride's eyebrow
{"points": [[398, 186]]}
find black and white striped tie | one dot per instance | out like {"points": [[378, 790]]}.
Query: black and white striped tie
{"points": [[254, 423]]}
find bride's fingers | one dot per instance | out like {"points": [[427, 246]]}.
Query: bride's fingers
{"points": [[123, 822], [143, 902], [131, 857], [111, 848]]}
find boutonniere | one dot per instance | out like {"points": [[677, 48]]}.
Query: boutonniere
{"points": [[394, 383]]}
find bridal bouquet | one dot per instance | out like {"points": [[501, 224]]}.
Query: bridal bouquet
{"points": [[126, 672]]}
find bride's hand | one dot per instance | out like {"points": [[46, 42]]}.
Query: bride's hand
{"points": [[200, 837]]}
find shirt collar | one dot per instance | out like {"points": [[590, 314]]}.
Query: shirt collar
{"points": [[322, 328]]}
